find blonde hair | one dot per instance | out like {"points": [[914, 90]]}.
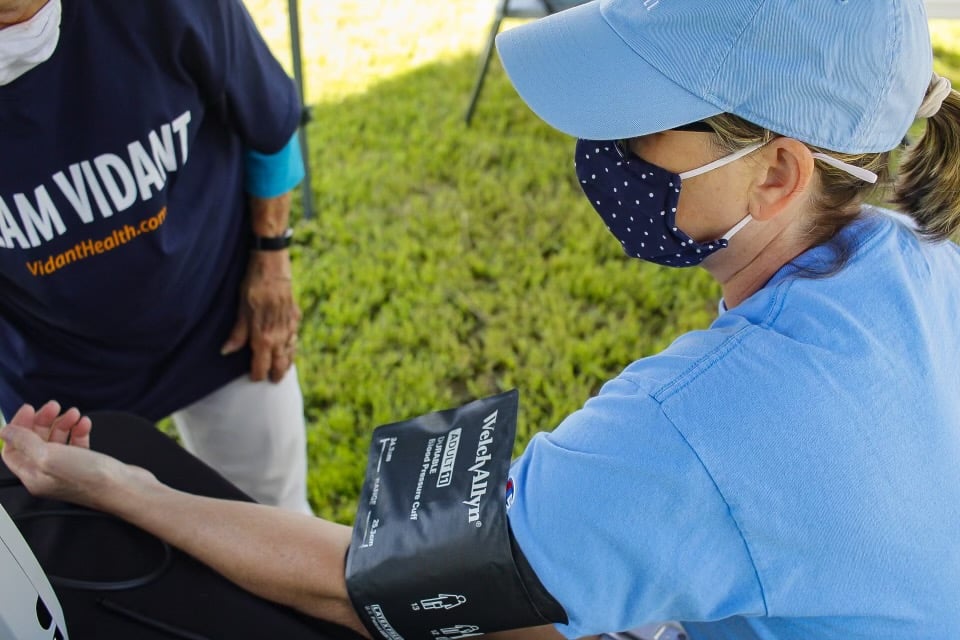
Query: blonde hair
{"points": [[926, 187], [928, 181]]}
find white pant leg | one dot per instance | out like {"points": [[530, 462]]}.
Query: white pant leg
{"points": [[254, 434]]}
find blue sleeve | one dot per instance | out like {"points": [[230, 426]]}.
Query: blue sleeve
{"points": [[271, 175], [239, 77], [622, 523]]}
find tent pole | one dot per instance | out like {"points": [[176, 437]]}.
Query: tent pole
{"points": [[293, 11]]}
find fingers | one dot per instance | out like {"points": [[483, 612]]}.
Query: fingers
{"points": [[37, 421], [282, 359], [63, 426], [44, 419], [262, 358], [80, 435], [272, 361], [50, 425], [23, 416], [238, 336], [274, 345], [270, 318]]}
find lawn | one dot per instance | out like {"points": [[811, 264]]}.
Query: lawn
{"points": [[449, 262]]}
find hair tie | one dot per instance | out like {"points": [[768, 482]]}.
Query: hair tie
{"points": [[937, 92]]}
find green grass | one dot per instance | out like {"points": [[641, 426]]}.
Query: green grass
{"points": [[446, 262], [450, 263]]}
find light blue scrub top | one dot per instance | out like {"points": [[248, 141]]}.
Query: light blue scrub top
{"points": [[790, 473]]}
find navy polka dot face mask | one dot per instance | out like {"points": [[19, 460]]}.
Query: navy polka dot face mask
{"points": [[638, 202]]}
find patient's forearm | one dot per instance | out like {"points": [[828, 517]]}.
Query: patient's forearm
{"points": [[286, 557]]}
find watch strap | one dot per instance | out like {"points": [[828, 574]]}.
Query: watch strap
{"points": [[272, 243]]}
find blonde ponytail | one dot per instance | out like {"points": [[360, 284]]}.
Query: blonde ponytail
{"points": [[927, 187]]}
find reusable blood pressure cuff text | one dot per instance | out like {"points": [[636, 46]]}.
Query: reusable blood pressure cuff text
{"points": [[432, 555]]}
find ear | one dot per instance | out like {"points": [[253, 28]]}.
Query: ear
{"points": [[784, 174]]}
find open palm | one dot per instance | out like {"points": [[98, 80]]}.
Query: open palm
{"points": [[50, 452]]}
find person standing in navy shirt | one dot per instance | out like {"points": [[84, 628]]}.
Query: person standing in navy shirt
{"points": [[149, 151]]}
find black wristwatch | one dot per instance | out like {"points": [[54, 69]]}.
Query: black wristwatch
{"points": [[272, 243]]}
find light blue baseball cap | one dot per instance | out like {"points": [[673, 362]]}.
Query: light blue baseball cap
{"points": [[845, 75]]}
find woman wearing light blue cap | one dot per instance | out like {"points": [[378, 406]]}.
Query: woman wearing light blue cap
{"points": [[792, 471]]}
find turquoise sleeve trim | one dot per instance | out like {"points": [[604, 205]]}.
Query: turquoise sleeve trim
{"points": [[272, 175]]}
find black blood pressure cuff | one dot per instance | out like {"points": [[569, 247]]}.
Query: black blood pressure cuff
{"points": [[432, 555]]}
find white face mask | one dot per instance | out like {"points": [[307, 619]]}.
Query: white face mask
{"points": [[25, 45]]}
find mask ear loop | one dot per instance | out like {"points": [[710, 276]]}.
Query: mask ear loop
{"points": [[858, 172], [716, 164], [719, 163], [740, 225]]}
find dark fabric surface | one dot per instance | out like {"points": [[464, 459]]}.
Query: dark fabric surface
{"points": [[190, 599]]}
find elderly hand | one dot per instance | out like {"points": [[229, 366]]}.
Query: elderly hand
{"points": [[268, 317], [50, 453]]}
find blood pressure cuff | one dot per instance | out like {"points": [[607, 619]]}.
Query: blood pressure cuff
{"points": [[432, 555]]}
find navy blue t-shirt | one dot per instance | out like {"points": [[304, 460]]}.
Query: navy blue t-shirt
{"points": [[123, 221]]}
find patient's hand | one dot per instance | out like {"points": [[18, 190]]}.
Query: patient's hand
{"points": [[50, 453], [52, 426]]}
